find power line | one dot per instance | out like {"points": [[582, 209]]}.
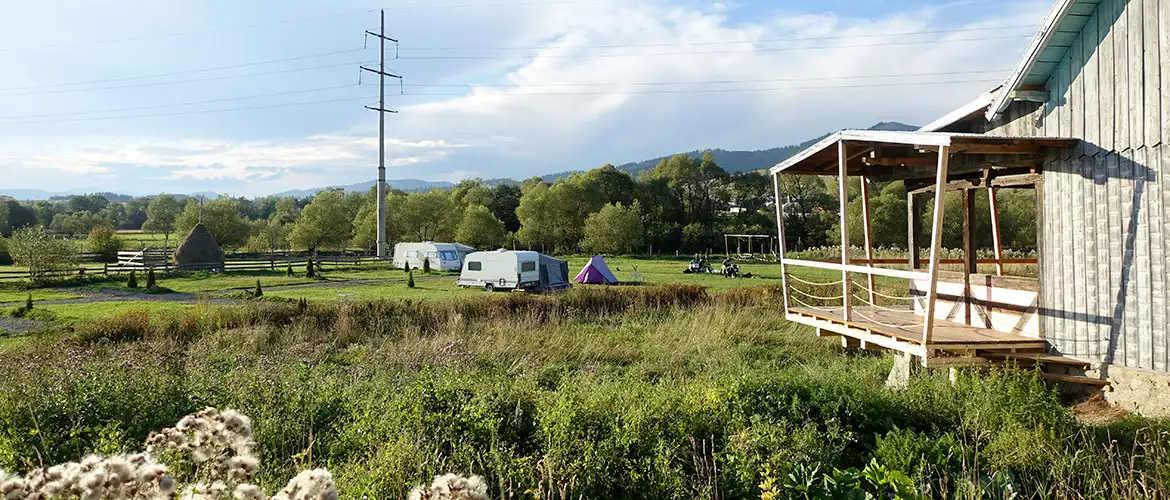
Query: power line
{"points": [[195, 112], [721, 90], [196, 80], [725, 42], [296, 20], [521, 94], [714, 52], [179, 104], [553, 85], [189, 71], [709, 82]]}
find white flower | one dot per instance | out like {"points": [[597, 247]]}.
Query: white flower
{"points": [[314, 484], [248, 492], [452, 487]]}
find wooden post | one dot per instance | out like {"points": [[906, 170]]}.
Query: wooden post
{"points": [[996, 242], [940, 183], [868, 230], [726, 247], [970, 263], [843, 173], [780, 237], [913, 229]]}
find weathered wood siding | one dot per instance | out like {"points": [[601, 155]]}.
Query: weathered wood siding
{"points": [[1104, 247]]}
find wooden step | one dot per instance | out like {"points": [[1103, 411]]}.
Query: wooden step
{"points": [[1037, 357], [1074, 379]]}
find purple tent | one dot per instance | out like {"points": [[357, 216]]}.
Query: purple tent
{"points": [[596, 273]]}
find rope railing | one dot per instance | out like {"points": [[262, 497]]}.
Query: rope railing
{"points": [[882, 295], [800, 302], [817, 297], [813, 283]]}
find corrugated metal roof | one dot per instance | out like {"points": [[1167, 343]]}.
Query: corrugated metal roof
{"points": [[1047, 49]]}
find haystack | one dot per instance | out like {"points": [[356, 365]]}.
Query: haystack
{"points": [[199, 250]]}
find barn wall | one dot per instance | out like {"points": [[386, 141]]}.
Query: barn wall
{"points": [[1105, 277]]}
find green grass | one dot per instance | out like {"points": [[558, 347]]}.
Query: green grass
{"points": [[96, 311], [15, 294], [624, 392], [425, 289]]}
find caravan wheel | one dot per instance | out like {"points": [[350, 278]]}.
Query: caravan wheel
{"points": [[488, 287]]}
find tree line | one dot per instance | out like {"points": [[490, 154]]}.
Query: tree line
{"points": [[685, 204]]}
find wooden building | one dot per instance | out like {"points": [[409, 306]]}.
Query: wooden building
{"points": [[1085, 121]]}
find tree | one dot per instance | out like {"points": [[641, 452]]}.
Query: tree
{"points": [[88, 203], [698, 185], [615, 229], [103, 239], [429, 216], [614, 185], [325, 222], [480, 228], [220, 217], [5, 229], [809, 211], [76, 223], [503, 202], [42, 254], [161, 213], [554, 216]]}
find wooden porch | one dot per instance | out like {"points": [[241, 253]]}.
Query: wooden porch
{"points": [[962, 319]]}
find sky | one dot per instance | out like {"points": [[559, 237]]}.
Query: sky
{"points": [[257, 97]]}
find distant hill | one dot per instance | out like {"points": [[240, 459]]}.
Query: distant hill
{"points": [[749, 161], [403, 184], [742, 161]]}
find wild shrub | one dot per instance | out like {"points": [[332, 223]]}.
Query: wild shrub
{"points": [[257, 293], [151, 283], [128, 326], [132, 282]]}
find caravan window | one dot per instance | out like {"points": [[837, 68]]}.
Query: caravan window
{"points": [[448, 255], [412, 254], [474, 266], [527, 267], [432, 255]]}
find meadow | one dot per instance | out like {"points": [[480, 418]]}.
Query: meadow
{"points": [[658, 391]]}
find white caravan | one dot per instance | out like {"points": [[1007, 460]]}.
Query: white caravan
{"points": [[442, 256], [513, 270]]}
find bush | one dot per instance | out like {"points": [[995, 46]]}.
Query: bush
{"points": [[43, 255], [103, 240], [426, 267], [127, 326], [410, 280], [309, 272], [151, 284], [289, 272], [133, 281], [258, 293]]}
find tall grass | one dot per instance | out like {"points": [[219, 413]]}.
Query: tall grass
{"points": [[647, 392]]}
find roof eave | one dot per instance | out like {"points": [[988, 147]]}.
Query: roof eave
{"points": [[1039, 42]]}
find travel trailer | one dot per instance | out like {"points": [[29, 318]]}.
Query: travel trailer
{"points": [[442, 256], [514, 270]]}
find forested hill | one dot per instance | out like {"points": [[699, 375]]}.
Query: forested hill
{"points": [[744, 161]]}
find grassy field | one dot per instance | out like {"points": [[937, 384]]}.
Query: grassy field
{"points": [[626, 392]]}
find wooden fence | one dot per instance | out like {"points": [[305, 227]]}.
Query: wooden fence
{"points": [[141, 262]]}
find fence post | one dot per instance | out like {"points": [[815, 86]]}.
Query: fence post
{"points": [[106, 268]]}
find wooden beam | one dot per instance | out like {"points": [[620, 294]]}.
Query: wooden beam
{"points": [[843, 174], [913, 229], [1016, 180], [996, 243], [956, 185], [944, 157], [868, 230], [1030, 95], [998, 149], [914, 161], [780, 237], [968, 252]]}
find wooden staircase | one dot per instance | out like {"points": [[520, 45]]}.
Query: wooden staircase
{"points": [[1053, 367]]}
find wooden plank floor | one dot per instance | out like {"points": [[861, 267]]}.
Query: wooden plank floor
{"points": [[907, 326]]}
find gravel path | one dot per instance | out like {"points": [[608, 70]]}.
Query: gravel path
{"points": [[19, 325]]}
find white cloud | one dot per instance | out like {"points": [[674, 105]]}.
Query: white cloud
{"points": [[515, 130]]}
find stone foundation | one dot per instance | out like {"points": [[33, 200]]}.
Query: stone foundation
{"points": [[1143, 392], [905, 366]]}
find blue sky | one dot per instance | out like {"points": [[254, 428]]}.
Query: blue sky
{"points": [[80, 109]]}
